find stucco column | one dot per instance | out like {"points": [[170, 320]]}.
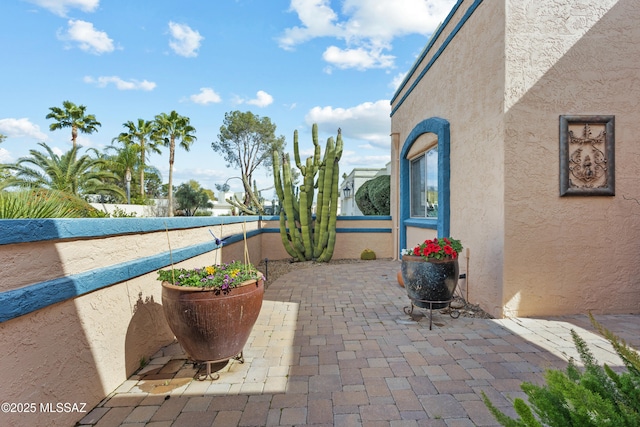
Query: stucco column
{"points": [[395, 191]]}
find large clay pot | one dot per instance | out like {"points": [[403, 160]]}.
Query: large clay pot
{"points": [[210, 327], [430, 281]]}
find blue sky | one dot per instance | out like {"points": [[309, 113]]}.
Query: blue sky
{"points": [[298, 62]]}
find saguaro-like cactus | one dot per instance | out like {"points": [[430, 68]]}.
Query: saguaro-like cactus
{"points": [[303, 237]]}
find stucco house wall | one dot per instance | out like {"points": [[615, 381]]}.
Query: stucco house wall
{"points": [[464, 85], [581, 253], [504, 72]]}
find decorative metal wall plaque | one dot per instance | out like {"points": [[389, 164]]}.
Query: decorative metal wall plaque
{"points": [[587, 156]]}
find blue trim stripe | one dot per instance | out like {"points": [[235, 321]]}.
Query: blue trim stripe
{"points": [[441, 128], [436, 55], [35, 230], [18, 302], [340, 230], [365, 218]]}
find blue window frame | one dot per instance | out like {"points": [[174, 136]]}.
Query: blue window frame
{"points": [[441, 222]]}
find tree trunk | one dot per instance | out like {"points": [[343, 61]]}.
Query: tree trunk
{"points": [[74, 135], [142, 192], [172, 149]]}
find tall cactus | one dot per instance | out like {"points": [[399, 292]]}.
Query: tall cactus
{"points": [[303, 238]]}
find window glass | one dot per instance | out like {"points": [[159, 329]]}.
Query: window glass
{"points": [[424, 185], [432, 182], [418, 206]]}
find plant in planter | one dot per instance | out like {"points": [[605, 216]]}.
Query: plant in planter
{"points": [[430, 272], [211, 310]]}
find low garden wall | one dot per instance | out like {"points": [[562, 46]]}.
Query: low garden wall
{"points": [[80, 306]]}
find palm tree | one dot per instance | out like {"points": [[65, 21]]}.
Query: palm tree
{"points": [[123, 163], [73, 116], [68, 173], [172, 127], [140, 133], [40, 203]]}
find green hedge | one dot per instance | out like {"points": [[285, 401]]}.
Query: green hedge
{"points": [[374, 196]]}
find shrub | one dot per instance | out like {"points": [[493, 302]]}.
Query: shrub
{"points": [[121, 213], [596, 396], [374, 196], [367, 255], [380, 194], [363, 201]]}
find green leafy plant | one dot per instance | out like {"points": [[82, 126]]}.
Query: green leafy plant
{"points": [[439, 248], [121, 213], [44, 204], [220, 278], [594, 397]]}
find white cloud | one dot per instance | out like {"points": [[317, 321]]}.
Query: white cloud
{"points": [[262, 99], [87, 37], [397, 80], [185, 41], [206, 96], [367, 27], [385, 20], [354, 159], [58, 151], [368, 121], [60, 7], [21, 128], [359, 58], [120, 84], [317, 19], [5, 156]]}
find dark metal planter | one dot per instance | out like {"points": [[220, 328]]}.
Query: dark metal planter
{"points": [[210, 327], [430, 283]]}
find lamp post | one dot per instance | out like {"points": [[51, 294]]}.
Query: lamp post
{"points": [[347, 191]]}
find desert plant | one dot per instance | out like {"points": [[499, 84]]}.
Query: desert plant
{"points": [[367, 255], [304, 238], [596, 396]]}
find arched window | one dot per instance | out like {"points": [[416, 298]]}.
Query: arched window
{"points": [[424, 179]]}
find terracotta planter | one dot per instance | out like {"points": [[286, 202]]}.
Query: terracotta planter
{"points": [[400, 279], [430, 280], [210, 327]]}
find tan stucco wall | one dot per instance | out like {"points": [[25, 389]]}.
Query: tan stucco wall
{"points": [[81, 349], [503, 82], [349, 245], [58, 258], [465, 87], [570, 254]]}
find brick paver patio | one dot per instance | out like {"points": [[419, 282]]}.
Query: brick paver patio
{"points": [[334, 348]]}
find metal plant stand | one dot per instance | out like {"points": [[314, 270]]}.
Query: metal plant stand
{"points": [[214, 375], [454, 313]]}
